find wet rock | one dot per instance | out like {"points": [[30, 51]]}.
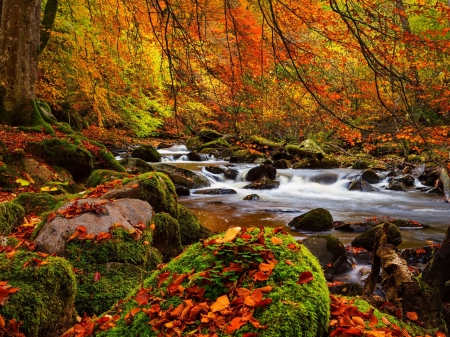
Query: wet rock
{"points": [[352, 227], [209, 134], [325, 178], [260, 172], [326, 162], [247, 156], [194, 143], [129, 213], [365, 240], [214, 191], [147, 153], [194, 156], [408, 180], [395, 185], [318, 219], [215, 169], [231, 174], [167, 236], [251, 197], [420, 255], [281, 164], [346, 289], [182, 190], [136, 165], [263, 184], [183, 177], [370, 176], [330, 252], [358, 184]]}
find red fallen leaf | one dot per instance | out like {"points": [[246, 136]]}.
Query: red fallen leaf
{"points": [[97, 276], [305, 277], [221, 303], [265, 290], [373, 321], [259, 276], [235, 324], [246, 236], [3, 293], [294, 247], [51, 216], [13, 290], [412, 315], [142, 297], [278, 230], [440, 334], [263, 302], [103, 236], [163, 277], [2, 322]]}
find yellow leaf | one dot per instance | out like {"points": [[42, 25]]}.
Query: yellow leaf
{"points": [[230, 235], [22, 182], [221, 303], [276, 241]]}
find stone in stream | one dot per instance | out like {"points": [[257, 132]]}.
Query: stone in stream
{"points": [[263, 184], [316, 220], [325, 178], [395, 185], [147, 153], [194, 156], [251, 197], [370, 176], [260, 172], [214, 191], [358, 184], [366, 239], [183, 177]]}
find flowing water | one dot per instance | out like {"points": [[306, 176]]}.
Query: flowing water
{"points": [[303, 190]]}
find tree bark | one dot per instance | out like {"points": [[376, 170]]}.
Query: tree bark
{"points": [[51, 8], [19, 50]]}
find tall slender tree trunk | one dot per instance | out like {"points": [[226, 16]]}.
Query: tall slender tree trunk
{"points": [[19, 50]]}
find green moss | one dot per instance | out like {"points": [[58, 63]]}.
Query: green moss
{"points": [[45, 299], [194, 143], [11, 215], [98, 177], [190, 228], [64, 127], [318, 219], [36, 202], [296, 310], [111, 161], [209, 134], [247, 156], [265, 142], [159, 191], [215, 144], [167, 237], [325, 162], [123, 261]]}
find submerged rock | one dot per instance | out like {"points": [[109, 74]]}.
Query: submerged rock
{"points": [[316, 220]]}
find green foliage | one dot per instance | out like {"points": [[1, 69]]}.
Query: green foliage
{"points": [[11, 215], [122, 262], [102, 176], [45, 299], [36, 203]]}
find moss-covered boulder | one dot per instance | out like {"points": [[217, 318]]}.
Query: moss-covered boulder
{"points": [[191, 229], [365, 240], [154, 187], [76, 159], [11, 215], [219, 143], [36, 203], [194, 143], [166, 236], [282, 164], [136, 165], [43, 296], [263, 184], [244, 282], [147, 153], [247, 156], [370, 176], [209, 134], [266, 143], [102, 176], [261, 171], [319, 162], [108, 268], [316, 220], [183, 177]]}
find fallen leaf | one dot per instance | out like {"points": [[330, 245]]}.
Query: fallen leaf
{"points": [[412, 315], [97, 276], [305, 277], [2, 322], [231, 234], [235, 324], [221, 303], [276, 241], [385, 321]]}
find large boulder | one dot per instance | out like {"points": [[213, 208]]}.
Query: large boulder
{"points": [[96, 215], [154, 187], [167, 236], [103, 176], [316, 220], [370, 176], [260, 172], [243, 283], [191, 230], [365, 240], [43, 174], [147, 153], [42, 293], [135, 165], [183, 177], [247, 156], [317, 162]]}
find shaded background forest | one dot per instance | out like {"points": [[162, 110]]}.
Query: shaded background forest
{"points": [[355, 71]]}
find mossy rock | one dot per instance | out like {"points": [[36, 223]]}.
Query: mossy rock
{"points": [[330, 252], [209, 135], [191, 229], [262, 184], [36, 203], [147, 153], [366, 239], [102, 176], [44, 302], [291, 309], [370, 176], [110, 162], [136, 165], [194, 143], [8, 176], [219, 143], [264, 142], [76, 159], [368, 163], [167, 236], [121, 262], [11, 216], [247, 156], [327, 162], [183, 177], [318, 219], [154, 187]]}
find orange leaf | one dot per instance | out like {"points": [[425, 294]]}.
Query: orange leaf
{"points": [[221, 303], [305, 277], [385, 321], [373, 321], [359, 322], [276, 241], [259, 276], [412, 315], [51, 216], [97, 276], [135, 185], [102, 236], [235, 324], [2, 322]]}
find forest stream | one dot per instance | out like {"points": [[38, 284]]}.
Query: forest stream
{"points": [[303, 190]]}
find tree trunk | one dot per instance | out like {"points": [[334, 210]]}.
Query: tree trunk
{"points": [[19, 50], [51, 8]]}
